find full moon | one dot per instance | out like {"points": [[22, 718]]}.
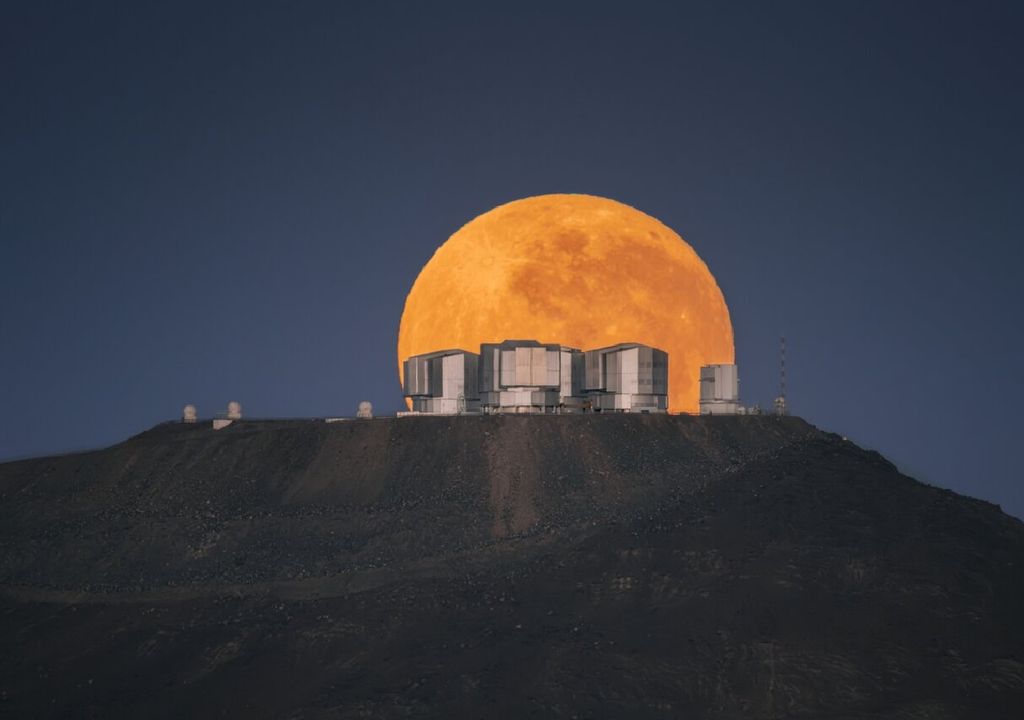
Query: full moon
{"points": [[578, 270]]}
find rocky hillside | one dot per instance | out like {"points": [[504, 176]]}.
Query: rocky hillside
{"points": [[559, 566]]}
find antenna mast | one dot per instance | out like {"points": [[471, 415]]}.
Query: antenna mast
{"points": [[780, 401]]}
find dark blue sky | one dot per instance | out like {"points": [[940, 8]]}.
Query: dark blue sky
{"points": [[206, 203]]}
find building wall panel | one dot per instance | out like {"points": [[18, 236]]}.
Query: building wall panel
{"points": [[508, 368]]}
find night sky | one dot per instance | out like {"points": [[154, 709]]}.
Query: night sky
{"points": [[203, 204]]}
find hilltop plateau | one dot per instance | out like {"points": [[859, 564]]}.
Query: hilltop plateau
{"points": [[481, 567]]}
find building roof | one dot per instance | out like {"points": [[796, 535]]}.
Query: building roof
{"points": [[625, 346]]}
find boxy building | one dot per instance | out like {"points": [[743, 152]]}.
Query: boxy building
{"points": [[443, 382], [628, 377], [719, 390], [526, 376]]}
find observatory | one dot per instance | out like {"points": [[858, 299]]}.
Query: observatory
{"points": [[719, 390], [443, 382], [527, 376], [628, 377], [234, 413], [188, 414]]}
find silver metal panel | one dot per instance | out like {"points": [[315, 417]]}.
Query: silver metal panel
{"points": [[593, 370], [659, 372], [544, 398], [565, 375], [436, 377], [489, 368], [453, 376], [522, 376], [707, 383], [444, 405], [412, 387], [730, 383], [629, 361], [472, 364], [577, 374], [508, 368], [417, 380], [538, 367], [719, 407], [612, 376], [409, 382], [423, 370], [647, 402], [553, 368]]}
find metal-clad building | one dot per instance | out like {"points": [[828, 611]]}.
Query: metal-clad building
{"points": [[443, 382], [526, 376], [628, 377], [719, 390], [571, 375]]}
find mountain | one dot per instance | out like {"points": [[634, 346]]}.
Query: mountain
{"points": [[586, 566]]}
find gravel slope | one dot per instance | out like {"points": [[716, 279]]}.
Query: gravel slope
{"points": [[589, 566]]}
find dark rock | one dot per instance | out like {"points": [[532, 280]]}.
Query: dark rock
{"points": [[588, 566]]}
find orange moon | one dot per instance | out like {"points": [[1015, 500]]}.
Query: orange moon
{"points": [[579, 270]]}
